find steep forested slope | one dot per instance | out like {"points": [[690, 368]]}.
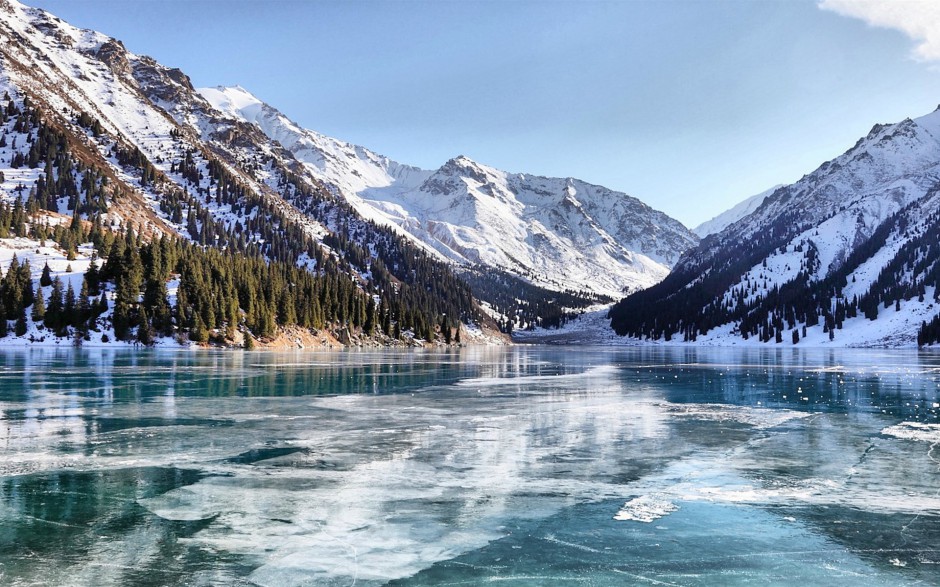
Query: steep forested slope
{"points": [[847, 255]]}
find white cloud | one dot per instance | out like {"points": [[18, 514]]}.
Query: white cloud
{"points": [[918, 19]]}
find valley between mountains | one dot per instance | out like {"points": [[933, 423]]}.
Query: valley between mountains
{"points": [[138, 209]]}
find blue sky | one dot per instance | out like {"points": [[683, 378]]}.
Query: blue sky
{"points": [[689, 105]]}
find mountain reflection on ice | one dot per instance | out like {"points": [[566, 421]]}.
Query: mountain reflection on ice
{"points": [[528, 465]]}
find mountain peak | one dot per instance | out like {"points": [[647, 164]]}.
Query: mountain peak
{"points": [[463, 166], [461, 161], [235, 101]]}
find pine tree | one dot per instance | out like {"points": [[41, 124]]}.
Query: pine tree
{"points": [[156, 298], [69, 310], [198, 332], [144, 330], [20, 327], [102, 304], [93, 276], [445, 330], [25, 277], [369, 322], [38, 312], [83, 312], [54, 318]]}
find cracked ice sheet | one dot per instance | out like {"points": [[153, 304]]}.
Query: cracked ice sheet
{"points": [[394, 484], [398, 484]]}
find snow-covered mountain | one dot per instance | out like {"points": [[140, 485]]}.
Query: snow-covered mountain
{"points": [[221, 168], [93, 131], [733, 214], [557, 233], [849, 252]]}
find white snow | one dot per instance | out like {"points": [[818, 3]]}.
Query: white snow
{"points": [[557, 233], [733, 214], [646, 508]]}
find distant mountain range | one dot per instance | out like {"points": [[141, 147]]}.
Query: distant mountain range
{"points": [[557, 233]]}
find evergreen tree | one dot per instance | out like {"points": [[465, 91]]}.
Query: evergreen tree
{"points": [[198, 332], [93, 276], [83, 309], [369, 322], [20, 328], [38, 312], [25, 278], [144, 331], [121, 320], [70, 310], [445, 331], [54, 311]]}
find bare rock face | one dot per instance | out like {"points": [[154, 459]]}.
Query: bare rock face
{"points": [[114, 55]]}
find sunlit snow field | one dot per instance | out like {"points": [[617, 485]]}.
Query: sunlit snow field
{"points": [[522, 466]]}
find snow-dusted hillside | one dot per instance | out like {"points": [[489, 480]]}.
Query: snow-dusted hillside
{"points": [[733, 214], [826, 253], [557, 233]]}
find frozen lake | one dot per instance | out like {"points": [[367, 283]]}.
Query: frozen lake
{"points": [[518, 466]]}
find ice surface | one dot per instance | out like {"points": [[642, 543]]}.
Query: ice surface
{"points": [[482, 465], [914, 431], [646, 508]]}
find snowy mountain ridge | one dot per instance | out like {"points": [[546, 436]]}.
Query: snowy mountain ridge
{"points": [[816, 260], [557, 233], [733, 214]]}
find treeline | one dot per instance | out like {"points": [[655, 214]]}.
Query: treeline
{"points": [[219, 293], [524, 304], [421, 292], [335, 285], [690, 297]]}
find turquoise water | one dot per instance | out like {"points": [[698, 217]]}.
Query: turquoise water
{"points": [[519, 466]]}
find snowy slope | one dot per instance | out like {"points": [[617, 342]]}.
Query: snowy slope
{"points": [[840, 204], [67, 70], [557, 233], [888, 180], [733, 214]]}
